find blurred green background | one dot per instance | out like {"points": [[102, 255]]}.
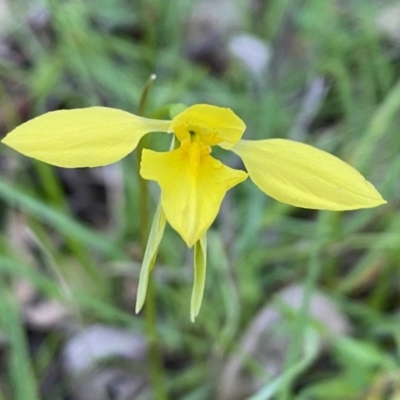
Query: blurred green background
{"points": [[298, 304]]}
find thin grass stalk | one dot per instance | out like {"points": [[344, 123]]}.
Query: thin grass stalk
{"points": [[302, 318]]}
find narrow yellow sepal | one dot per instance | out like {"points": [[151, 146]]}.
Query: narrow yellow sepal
{"points": [[220, 123], [193, 185], [149, 259], [85, 137], [303, 176], [200, 266]]}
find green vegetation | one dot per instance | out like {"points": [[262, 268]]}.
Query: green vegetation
{"points": [[73, 238]]}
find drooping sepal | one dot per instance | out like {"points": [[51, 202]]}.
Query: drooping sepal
{"points": [[200, 265], [149, 259]]}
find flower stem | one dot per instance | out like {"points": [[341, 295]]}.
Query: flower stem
{"points": [[155, 361], [144, 198], [155, 364]]}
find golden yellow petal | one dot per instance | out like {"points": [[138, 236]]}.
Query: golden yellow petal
{"points": [[85, 137], [303, 176], [213, 124], [193, 185]]}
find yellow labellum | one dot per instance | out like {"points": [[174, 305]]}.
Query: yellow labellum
{"points": [[303, 176], [86, 137], [193, 185]]}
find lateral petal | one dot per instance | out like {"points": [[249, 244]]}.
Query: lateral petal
{"points": [[193, 185], [304, 176], [216, 124], [85, 137]]}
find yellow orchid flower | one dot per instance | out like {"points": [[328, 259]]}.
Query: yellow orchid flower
{"points": [[193, 183]]}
